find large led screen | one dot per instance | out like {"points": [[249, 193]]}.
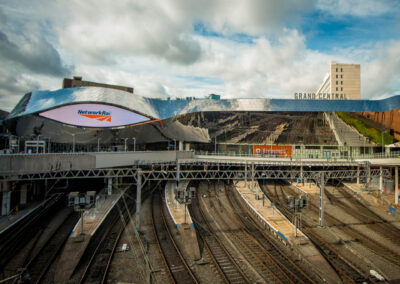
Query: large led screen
{"points": [[94, 115]]}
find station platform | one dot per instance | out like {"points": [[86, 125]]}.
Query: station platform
{"points": [[307, 187], [382, 203], [78, 242], [268, 213], [93, 217], [184, 227], [179, 213], [6, 221], [282, 228]]}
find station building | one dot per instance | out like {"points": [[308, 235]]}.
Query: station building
{"points": [[112, 118], [343, 82]]}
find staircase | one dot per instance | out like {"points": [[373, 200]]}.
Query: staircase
{"points": [[345, 134]]}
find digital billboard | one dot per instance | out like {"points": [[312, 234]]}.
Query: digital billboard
{"points": [[94, 115]]}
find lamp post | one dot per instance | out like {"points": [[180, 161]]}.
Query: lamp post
{"points": [[363, 147], [125, 139], [37, 144], [48, 145], [73, 142]]}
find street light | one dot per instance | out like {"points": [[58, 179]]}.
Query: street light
{"points": [[73, 142], [37, 144], [125, 139]]}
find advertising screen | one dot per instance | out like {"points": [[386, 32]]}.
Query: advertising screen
{"points": [[94, 115]]}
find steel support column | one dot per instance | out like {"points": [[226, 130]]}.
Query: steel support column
{"points": [[396, 185], [358, 174], [252, 178], [138, 197], [381, 178], [368, 174], [245, 173], [321, 199], [301, 173]]}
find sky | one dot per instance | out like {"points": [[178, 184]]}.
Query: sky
{"points": [[186, 48]]}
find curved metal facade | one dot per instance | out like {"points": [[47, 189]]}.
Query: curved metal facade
{"points": [[40, 101]]}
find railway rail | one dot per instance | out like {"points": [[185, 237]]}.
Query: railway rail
{"points": [[175, 264], [97, 267], [296, 273], [227, 267], [366, 216], [368, 242], [40, 263], [349, 271], [363, 214], [23, 233], [257, 256]]}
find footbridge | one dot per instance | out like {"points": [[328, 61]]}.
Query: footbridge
{"points": [[141, 167], [180, 165]]}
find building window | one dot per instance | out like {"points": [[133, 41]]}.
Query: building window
{"points": [[341, 76], [336, 69], [341, 82], [336, 82], [341, 88], [336, 76], [337, 89], [341, 69]]}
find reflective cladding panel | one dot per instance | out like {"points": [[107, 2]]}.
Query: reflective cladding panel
{"points": [[40, 101], [156, 108], [93, 115]]}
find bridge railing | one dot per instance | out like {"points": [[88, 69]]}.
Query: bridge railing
{"points": [[393, 154]]}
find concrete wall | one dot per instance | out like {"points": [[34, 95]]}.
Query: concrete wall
{"points": [[46, 162], [106, 160], [55, 162]]}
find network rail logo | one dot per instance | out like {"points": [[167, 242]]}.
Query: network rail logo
{"points": [[100, 115]]}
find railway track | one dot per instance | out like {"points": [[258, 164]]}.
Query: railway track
{"points": [[289, 267], [17, 235], [349, 271], [176, 266], [19, 240], [257, 255], [40, 263], [368, 242], [97, 267], [366, 216], [220, 255]]}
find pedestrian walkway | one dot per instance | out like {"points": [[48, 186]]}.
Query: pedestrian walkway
{"points": [[179, 212], [93, 217], [267, 212], [77, 243], [283, 229], [6, 221], [307, 187]]}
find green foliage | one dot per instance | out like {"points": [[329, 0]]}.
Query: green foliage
{"points": [[375, 135]]}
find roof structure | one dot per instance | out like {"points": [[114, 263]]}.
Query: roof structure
{"points": [[40, 101]]}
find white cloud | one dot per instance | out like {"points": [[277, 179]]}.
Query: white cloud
{"points": [[356, 7], [381, 73], [152, 46]]}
